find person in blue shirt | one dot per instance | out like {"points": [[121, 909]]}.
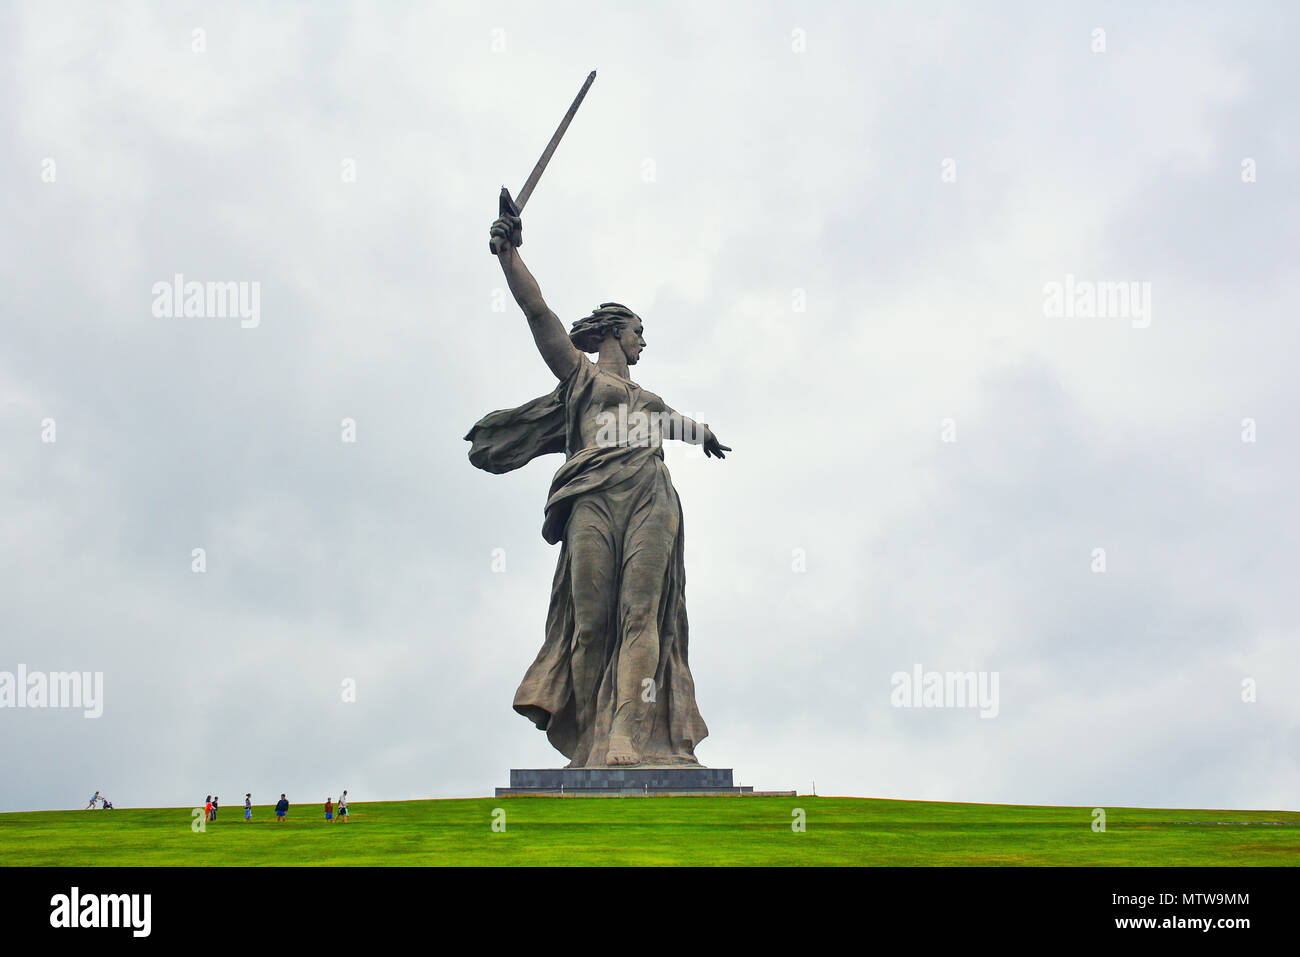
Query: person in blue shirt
{"points": [[281, 809]]}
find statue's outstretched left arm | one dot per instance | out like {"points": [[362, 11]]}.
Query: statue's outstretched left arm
{"points": [[687, 430]]}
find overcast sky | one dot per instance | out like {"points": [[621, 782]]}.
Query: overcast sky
{"points": [[839, 223]]}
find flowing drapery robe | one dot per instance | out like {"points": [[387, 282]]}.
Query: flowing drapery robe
{"points": [[625, 490]]}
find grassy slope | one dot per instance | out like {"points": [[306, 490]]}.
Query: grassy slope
{"points": [[683, 830]]}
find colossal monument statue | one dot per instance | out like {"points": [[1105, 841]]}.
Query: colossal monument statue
{"points": [[612, 684]]}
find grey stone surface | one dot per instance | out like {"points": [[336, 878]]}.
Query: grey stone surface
{"points": [[621, 778], [600, 782]]}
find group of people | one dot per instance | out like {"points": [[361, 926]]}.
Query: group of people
{"points": [[212, 804], [281, 808], [342, 808]]}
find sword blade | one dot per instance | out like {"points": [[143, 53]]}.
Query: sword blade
{"points": [[527, 191]]}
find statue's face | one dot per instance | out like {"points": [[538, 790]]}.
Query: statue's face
{"points": [[631, 339]]}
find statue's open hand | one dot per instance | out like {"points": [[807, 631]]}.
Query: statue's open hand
{"points": [[711, 444]]}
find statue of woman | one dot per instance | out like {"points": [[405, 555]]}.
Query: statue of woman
{"points": [[611, 685]]}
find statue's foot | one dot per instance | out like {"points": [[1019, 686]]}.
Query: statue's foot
{"points": [[621, 751]]}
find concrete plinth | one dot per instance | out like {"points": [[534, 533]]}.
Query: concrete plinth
{"points": [[600, 782]]}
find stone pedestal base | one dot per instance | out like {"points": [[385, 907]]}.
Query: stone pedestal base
{"points": [[602, 782]]}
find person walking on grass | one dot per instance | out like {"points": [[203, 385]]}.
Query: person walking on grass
{"points": [[343, 807], [207, 808], [94, 799], [329, 809], [215, 801], [248, 807], [281, 809]]}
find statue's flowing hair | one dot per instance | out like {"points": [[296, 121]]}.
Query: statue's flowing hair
{"points": [[587, 332]]}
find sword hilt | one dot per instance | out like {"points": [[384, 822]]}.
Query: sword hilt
{"points": [[507, 207]]}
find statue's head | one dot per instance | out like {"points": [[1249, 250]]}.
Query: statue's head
{"points": [[612, 321]]}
